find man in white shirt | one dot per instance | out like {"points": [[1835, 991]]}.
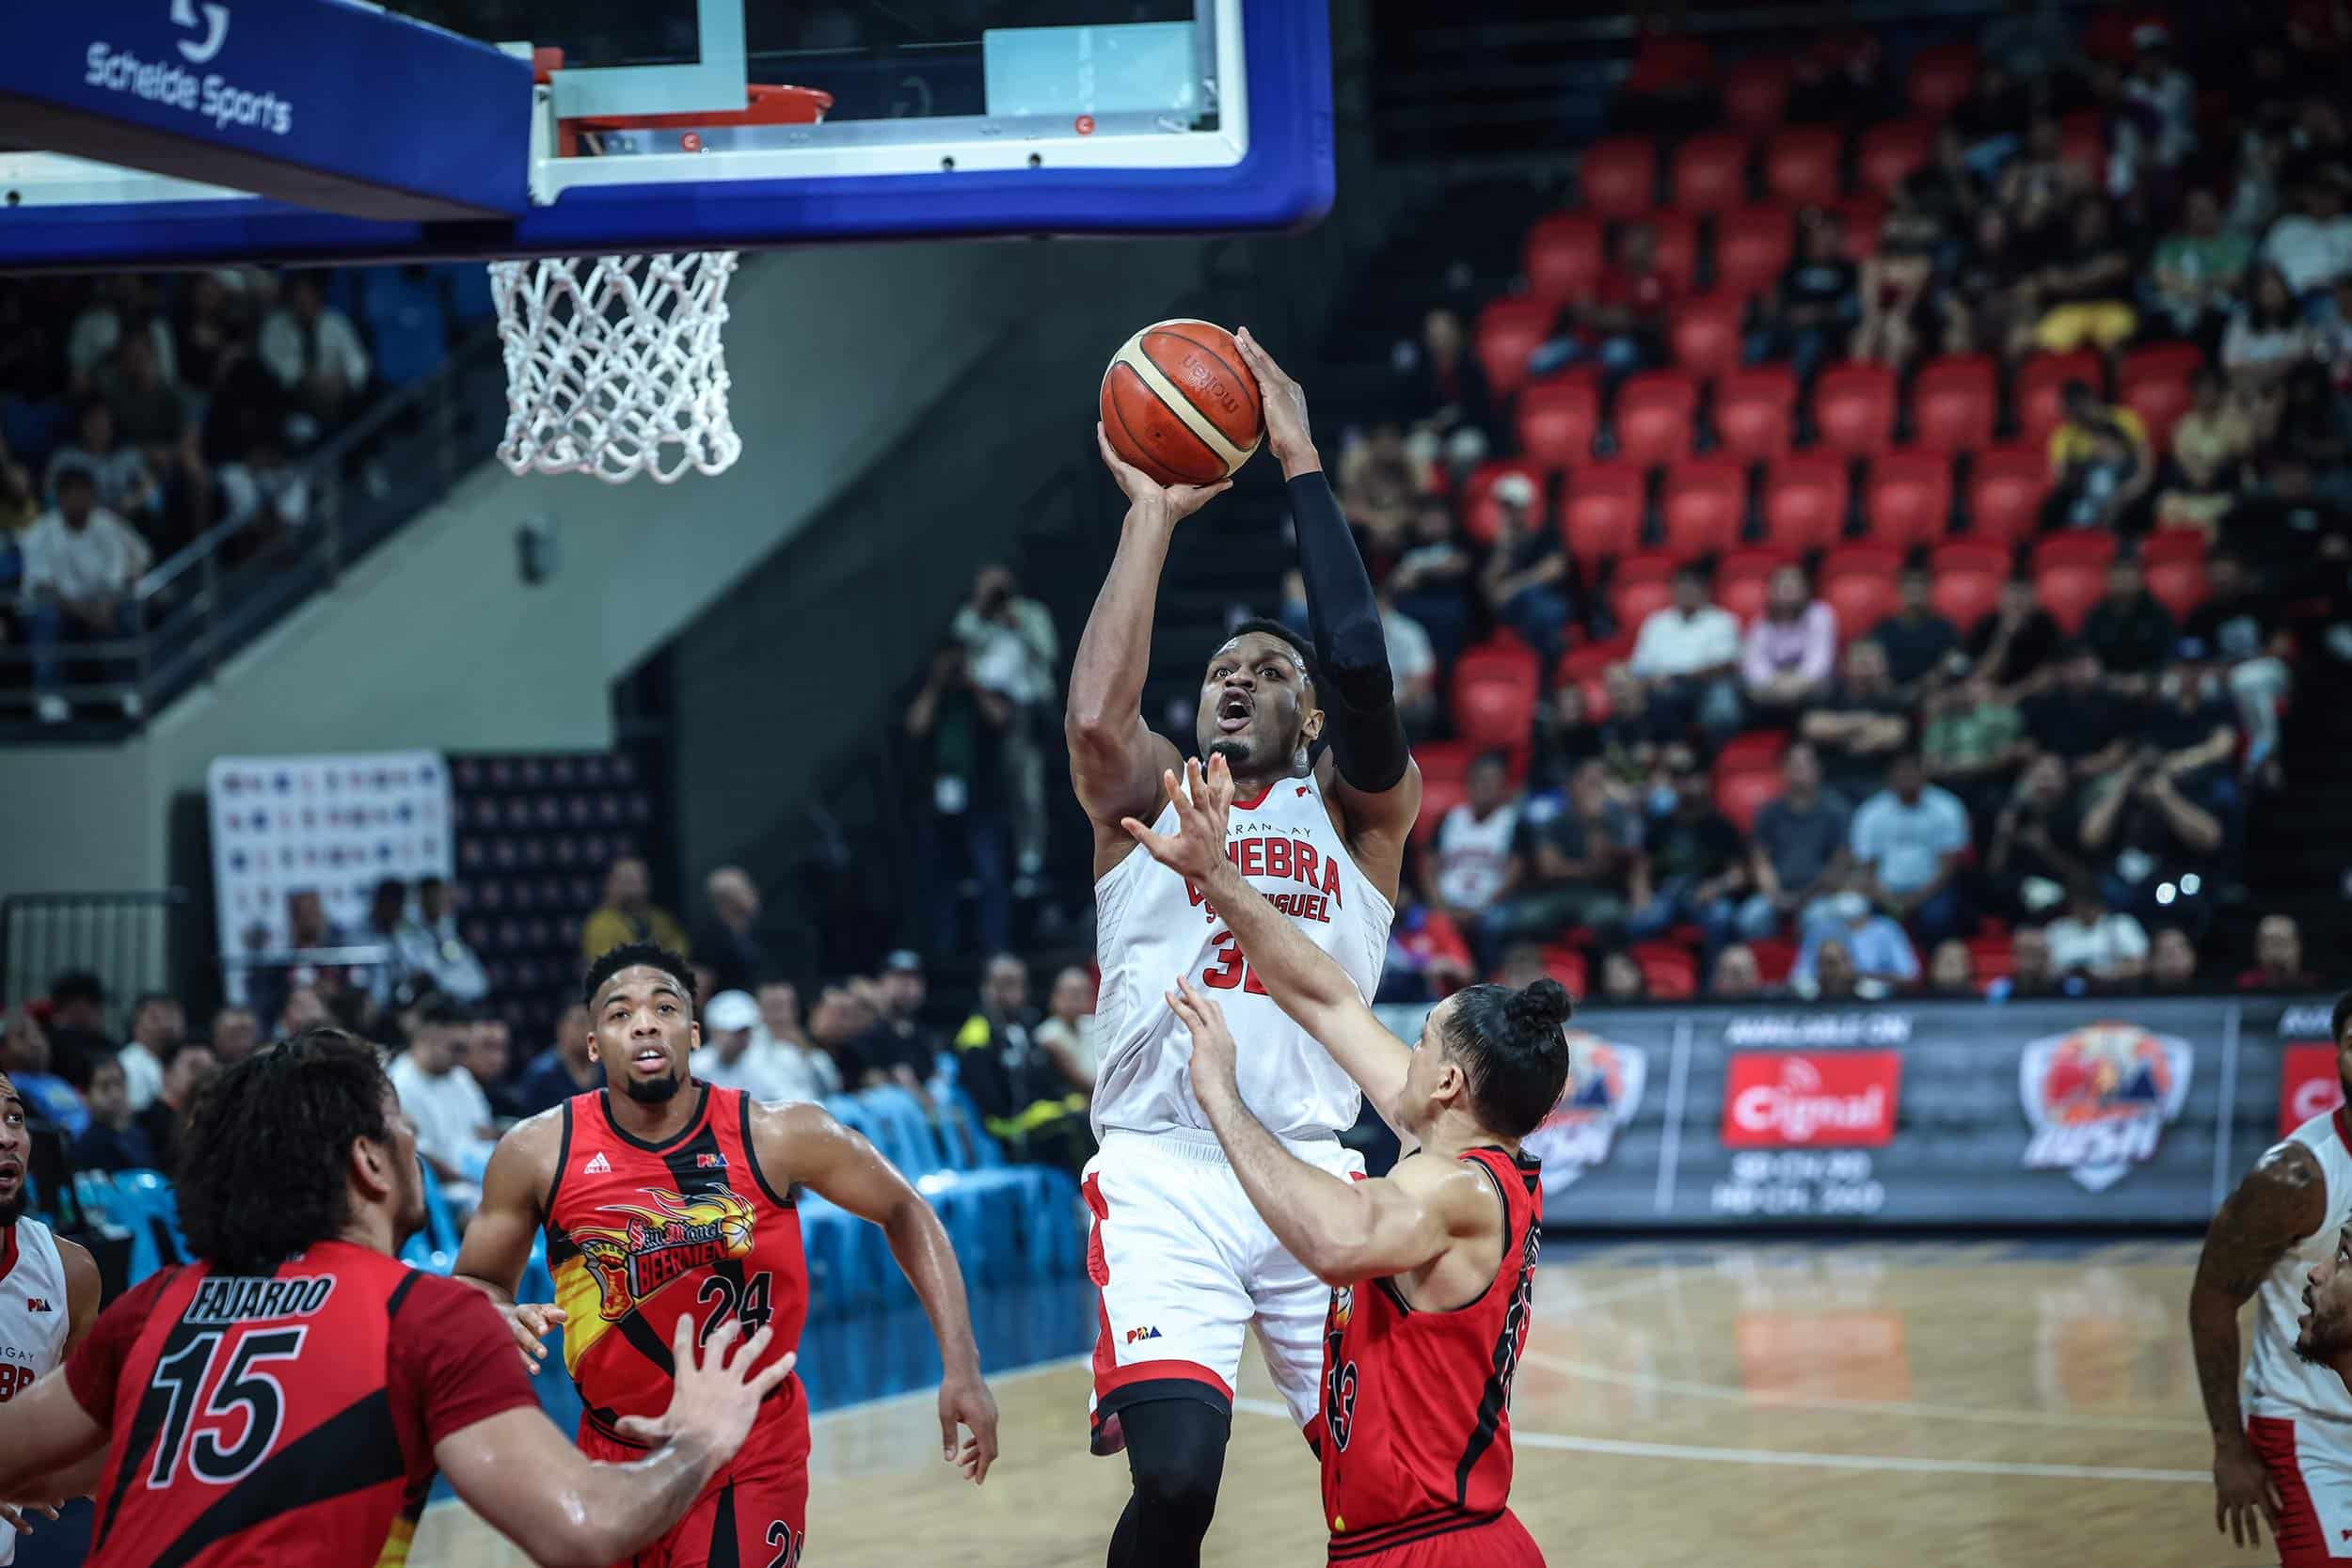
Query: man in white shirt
{"points": [[730, 1054], [315, 354], [1687, 654], [1012, 646], [2312, 247], [82, 567], [1471, 863], [157, 1026], [455, 1130], [429, 944], [2107, 945], [1908, 841], [806, 1072], [1412, 663]]}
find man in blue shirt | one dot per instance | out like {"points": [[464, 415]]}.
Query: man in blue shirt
{"points": [[1908, 841]]}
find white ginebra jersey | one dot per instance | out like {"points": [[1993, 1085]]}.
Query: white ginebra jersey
{"points": [[1475, 854], [1153, 928], [2277, 1382], [34, 1319]]}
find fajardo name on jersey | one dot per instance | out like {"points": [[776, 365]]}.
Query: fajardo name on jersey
{"points": [[1267, 857], [239, 1299]]}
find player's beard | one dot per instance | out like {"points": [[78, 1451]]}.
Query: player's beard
{"points": [[2328, 1339], [654, 1091], [12, 1207]]}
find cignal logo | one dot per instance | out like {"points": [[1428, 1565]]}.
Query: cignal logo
{"points": [[1605, 1081], [2099, 1098], [1811, 1099], [215, 25], [2308, 1084]]}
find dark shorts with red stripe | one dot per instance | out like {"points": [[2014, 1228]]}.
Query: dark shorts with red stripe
{"points": [[1447, 1540], [753, 1516], [2311, 1464]]}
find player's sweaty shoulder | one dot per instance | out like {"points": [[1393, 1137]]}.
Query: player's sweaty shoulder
{"points": [[527, 1151], [2282, 1200], [793, 1138]]}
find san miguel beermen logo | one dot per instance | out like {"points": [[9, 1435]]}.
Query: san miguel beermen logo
{"points": [[654, 1246], [1604, 1089], [1339, 1377], [2099, 1098]]}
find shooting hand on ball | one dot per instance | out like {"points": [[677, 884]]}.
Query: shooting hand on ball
{"points": [[1147, 496], [1286, 428]]}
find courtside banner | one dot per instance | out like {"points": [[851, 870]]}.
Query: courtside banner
{"points": [[2063, 1113]]}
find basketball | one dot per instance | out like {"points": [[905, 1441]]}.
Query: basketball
{"points": [[1179, 403]]}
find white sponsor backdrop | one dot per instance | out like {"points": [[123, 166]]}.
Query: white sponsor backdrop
{"points": [[338, 825]]}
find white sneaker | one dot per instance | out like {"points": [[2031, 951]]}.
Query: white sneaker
{"points": [[133, 706], [53, 709]]}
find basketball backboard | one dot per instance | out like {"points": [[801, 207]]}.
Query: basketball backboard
{"points": [[916, 118]]}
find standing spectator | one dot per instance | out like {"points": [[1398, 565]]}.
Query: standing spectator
{"points": [[2129, 630], [2084, 292], [78, 1025], [729, 1056], [1470, 864], [1621, 324], [2158, 131], [2077, 718], [629, 914], [489, 1059], [2012, 647], [126, 485], [1697, 863], [82, 564], [2277, 958], [2267, 335], [1952, 970], [1524, 579], [1447, 404], [1012, 646], [2198, 268], [2106, 946], [1974, 743], [1908, 842], [1791, 650], [316, 355], [234, 1034], [1917, 639], [2240, 632], [958, 728], [189, 1068], [1068, 1032], [2312, 247], [24, 1057], [1876, 950], [429, 947], [1621, 979], [1860, 724], [1798, 850], [1024, 1100], [2035, 852], [1687, 654], [728, 936], [114, 1140], [2172, 962], [157, 1027], [455, 1131], [1816, 303], [1431, 581], [913, 1047], [1735, 977], [1580, 866], [564, 1069]]}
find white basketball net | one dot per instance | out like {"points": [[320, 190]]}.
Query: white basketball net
{"points": [[614, 367]]}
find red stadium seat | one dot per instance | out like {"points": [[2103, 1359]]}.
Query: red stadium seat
{"points": [[1953, 402], [2083, 142], [1890, 151], [1992, 958], [2178, 585], [2081, 547], [1862, 213], [1563, 256], [2153, 382], [1437, 796], [1941, 76], [1509, 331], [1806, 499], [1591, 661], [2172, 544], [2006, 485], [1644, 583], [1672, 972], [1705, 333], [1496, 687], [1446, 760], [1774, 959], [1595, 694], [1557, 418], [1754, 748], [1678, 246], [1965, 596], [1710, 171], [1756, 411], [1670, 63], [1908, 498], [2041, 389], [1600, 511], [2068, 590], [1564, 964], [1800, 165], [1740, 793], [1702, 504], [1752, 245], [1653, 416], [1858, 580], [1756, 93], [1853, 407], [1741, 579], [1481, 515], [1619, 176]]}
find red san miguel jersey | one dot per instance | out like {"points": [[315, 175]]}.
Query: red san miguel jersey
{"points": [[640, 1234], [1415, 1420]]}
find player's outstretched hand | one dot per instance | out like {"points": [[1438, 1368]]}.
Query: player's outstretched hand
{"points": [[1169, 503], [711, 1399], [1198, 843], [1212, 1042], [1287, 432], [965, 1401], [13, 1514], [2243, 1493], [532, 1322]]}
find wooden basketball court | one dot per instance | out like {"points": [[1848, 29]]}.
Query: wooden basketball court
{"points": [[1832, 1407]]}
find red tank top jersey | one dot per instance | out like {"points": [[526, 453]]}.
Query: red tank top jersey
{"points": [[1415, 1420], [640, 1234], [286, 1418]]}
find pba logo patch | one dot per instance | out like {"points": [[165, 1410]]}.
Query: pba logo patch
{"points": [[2308, 1084], [1604, 1089], [1811, 1099], [2099, 1097]]}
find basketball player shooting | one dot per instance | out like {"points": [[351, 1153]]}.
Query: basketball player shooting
{"points": [[669, 1210], [1184, 1263], [1432, 1268], [2282, 1454], [49, 1290]]}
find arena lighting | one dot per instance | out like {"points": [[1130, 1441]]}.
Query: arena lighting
{"points": [[2190, 884], [2165, 892]]}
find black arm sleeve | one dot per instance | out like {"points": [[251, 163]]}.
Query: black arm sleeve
{"points": [[1357, 691]]}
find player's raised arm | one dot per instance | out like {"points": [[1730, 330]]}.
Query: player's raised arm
{"points": [[497, 1248], [797, 1142], [1115, 758], [1304, 981], [1379, 786]]}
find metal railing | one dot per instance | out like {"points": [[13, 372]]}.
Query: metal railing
{"points": [[132, 942], [194, 609]]}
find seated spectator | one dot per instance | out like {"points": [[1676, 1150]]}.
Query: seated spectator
{"points": [[1797, 850], [2041, 186], [126, 485], [629, 914], [2077, 718], [1431, 581], [565, 1069], [1468, 864], [2277, 958], [1915, 245], [2084, 291], [2195, 275], [1917, 639], [728, 936], [24, 1057], [488, 1058], [151, 413], [455, 1130], [20, 503], [2100, 465], [2314, 425], [1860, 724], [908, 1049], [1735, 977], [2035, 852], [2312, 247], [1985, 306], [261, 492], [2187, 730], [1875, 951], [189, 1068], [1686, 655], [1908, 842], [1814, 308], [1429, 957], [1565, 737], [2012, 647], [2129, 629], [1578, 866], [2162, 836], [1834, 975], [2241, 633], [1622, 980], [82, 565], [2267, 335], [841, 1031], [1412, 665], [157, 1027], [316, 355], [1445, 400], [1024, 1098], [1522, 966], [1524, 581], [2030, 975], [2172, 961], [1974, 744], [1379, 486], [1791, 649], [379, 928], [431, 948], [1636, 729], [729, 1056], [1697, 863], [1068, 1031], [2106, 946], [1622, 324], [2209, 448], [235, 1031], [2157, 130], [78, 1037], [114, 1140], [1952, 970]]}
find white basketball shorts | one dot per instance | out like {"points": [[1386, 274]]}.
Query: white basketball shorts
{"points": [[2310, 1461]]}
